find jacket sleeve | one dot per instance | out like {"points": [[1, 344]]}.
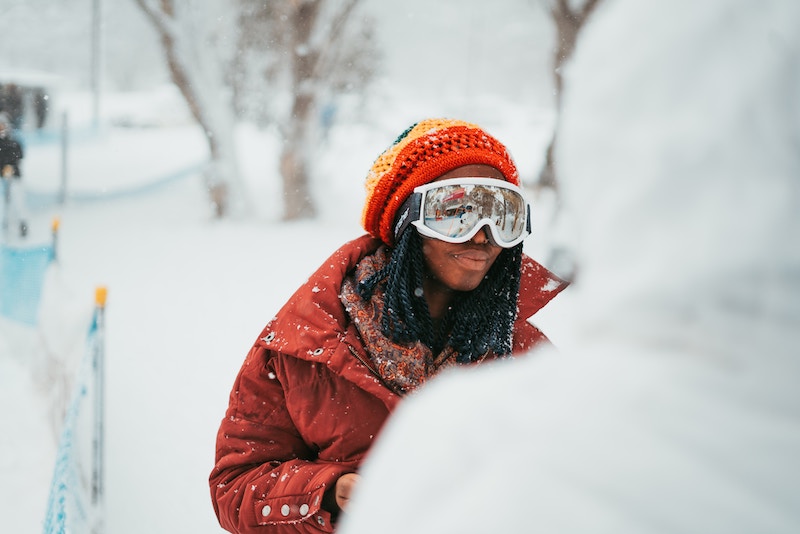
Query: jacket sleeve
{"points": [[266, 478]]}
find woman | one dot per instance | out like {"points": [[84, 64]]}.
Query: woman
{"points": [[425, 290]]}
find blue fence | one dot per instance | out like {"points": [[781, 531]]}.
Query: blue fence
{"points": [[68, 504], [22, 272], [75, 501]]}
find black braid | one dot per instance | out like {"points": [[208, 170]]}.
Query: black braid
{"points": [[406, 317], [480, 320], [483, 319]]}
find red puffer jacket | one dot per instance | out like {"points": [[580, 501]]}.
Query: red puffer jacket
{"points": [[306, 406]]}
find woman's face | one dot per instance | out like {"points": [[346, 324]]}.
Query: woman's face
{"points": [[460, 266]]}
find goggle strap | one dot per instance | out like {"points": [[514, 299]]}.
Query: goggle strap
{"points": [[408, 213], [528, 218]]}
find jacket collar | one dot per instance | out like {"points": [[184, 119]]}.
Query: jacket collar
{"points": [[314, 326], [537, 287]]}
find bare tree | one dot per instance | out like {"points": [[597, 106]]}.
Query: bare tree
{"points": [[568, 22], [308, 51], [199, 42]]}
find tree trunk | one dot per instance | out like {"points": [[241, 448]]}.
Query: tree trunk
{"points": [[214, 175], [200, 95], [298, 202], [568, 23]]}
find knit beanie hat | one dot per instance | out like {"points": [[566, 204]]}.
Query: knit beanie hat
{"points": [[422, 153]]}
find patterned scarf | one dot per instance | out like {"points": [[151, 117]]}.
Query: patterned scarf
{"points": [[402, 366]]}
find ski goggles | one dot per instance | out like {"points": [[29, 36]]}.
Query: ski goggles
{"points": [[456, 209]]}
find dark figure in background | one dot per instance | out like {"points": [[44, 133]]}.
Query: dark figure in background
{"points": [[40, 101], [10, 156], [13, 104]]}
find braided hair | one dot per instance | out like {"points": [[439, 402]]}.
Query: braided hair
{"points": [[479, 321]]}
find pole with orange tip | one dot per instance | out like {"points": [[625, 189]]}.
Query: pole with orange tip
{"points": [[54, 226], [98, 443]]}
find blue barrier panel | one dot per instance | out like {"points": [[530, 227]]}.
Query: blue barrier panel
{"points": [[22, 273], [69, 507]]}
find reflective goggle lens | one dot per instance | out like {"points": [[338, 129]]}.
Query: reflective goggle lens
{"points": [[455, 210]]}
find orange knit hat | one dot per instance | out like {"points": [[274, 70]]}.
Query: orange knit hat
{"points": [[422, 153]]}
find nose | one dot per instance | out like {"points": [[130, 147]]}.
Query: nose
{"points": [[482, 237]]}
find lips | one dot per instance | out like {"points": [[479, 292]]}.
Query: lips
{"points": [[473, 259]]}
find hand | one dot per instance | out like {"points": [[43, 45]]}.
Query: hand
{"points": [[344, 488]]}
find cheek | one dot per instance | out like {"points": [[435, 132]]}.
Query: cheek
{"points": [[435, 258], [432, 259]]}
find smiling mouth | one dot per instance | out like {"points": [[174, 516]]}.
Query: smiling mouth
{"points": [[473, 258]]}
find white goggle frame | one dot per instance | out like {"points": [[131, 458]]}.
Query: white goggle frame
{"points": [[456, 209]]}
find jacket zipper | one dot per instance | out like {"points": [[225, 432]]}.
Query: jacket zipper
{"points": [[372, 370]]}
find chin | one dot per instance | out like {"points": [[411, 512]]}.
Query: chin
{"points": [[467, 285]]}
